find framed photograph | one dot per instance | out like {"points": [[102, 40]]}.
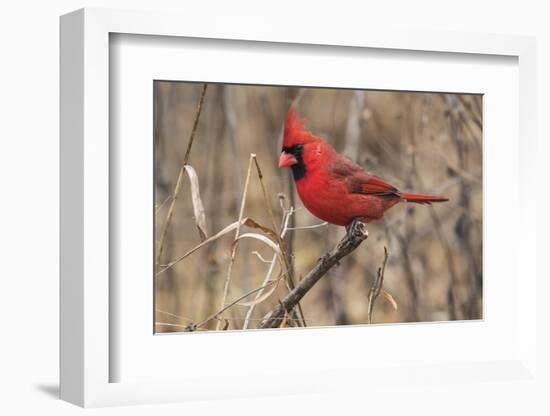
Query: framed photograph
{"points": [[286, 213], [387, 130]]}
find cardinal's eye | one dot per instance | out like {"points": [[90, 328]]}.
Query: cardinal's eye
{"points": [[293, 150], [289, 150]]}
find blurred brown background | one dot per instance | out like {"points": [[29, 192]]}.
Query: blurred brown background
{"points": [[421, 142]]}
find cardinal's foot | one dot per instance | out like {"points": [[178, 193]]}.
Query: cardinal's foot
{"points": [[351, 227]]}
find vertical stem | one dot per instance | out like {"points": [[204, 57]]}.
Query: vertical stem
{"points": [[269, 272], [234, 249], [180, 175], [376, 287]]}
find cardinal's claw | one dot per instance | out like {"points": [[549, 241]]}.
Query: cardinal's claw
{"points": [[350, 228]]}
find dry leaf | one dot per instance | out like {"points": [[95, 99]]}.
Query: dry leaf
{"points": [[389, 298], [260, 237], [198, 207], [249, 222]]}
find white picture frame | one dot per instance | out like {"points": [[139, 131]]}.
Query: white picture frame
{"points": [[86, 353]]}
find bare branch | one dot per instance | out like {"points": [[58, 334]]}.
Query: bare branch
{"points": [[356, 235]]}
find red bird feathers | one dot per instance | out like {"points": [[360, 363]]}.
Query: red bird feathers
{"points": [[332, 187]]}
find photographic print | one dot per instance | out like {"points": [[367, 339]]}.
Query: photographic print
{"points": [[294, 207]]}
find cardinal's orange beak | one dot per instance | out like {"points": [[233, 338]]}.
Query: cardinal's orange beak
{"points": [[286, 160]]}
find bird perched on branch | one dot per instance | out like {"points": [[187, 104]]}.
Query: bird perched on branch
{"points": [[331, 186]]}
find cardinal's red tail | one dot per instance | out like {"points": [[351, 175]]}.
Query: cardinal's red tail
{"points": [[421, 198]]}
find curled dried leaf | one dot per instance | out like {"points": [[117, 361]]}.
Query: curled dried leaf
{"points": [[260, 237], [198, 207], [249, 222]]}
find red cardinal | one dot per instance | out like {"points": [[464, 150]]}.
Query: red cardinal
{"points": [[332, 187]]}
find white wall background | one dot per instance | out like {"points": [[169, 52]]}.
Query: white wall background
{"points": [[29, 116]]}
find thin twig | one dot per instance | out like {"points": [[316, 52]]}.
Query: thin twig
{"points": [[264, 193], [376, 287], [173, 315], [262, 259], [159, 207], [474, 117], [195, 124], [307, 227], [217, 315], [180, 177], [234, 248], [249, 222], [170, 324], [357, 234]]}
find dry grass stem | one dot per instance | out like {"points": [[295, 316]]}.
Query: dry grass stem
{"points": [[270, 243], [289, 270], [263, 297], [376, 288], [173, 315], [249, 222], [284, 227], [170, 324], [234, 247], [308, 227], [159, 206], [195, 124], [180, 176], [262, 259], [217, 315], [221, 233]]}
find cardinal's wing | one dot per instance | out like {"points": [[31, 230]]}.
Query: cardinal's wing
{"points": [[360, 181]]}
